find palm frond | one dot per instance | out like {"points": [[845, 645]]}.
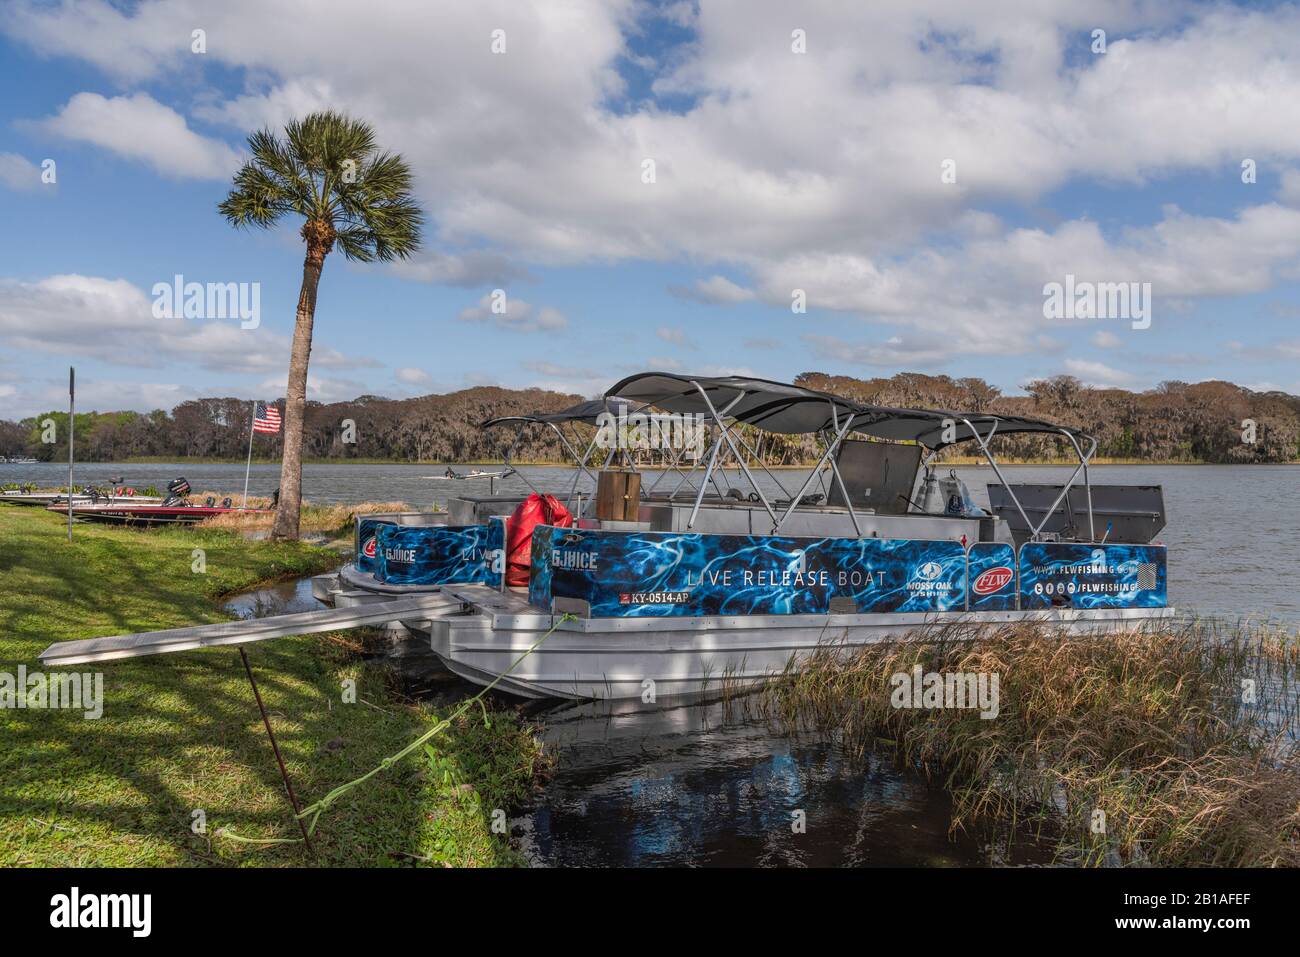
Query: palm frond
{"points": [[327, 168]]}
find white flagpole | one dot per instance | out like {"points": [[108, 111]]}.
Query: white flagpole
{"points": [[251, 420], [72, 418]]}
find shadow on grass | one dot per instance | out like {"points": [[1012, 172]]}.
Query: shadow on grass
{"points": [[181, 733]]}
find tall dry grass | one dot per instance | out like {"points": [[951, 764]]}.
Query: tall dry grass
{"points": [[1149, 727], [315, 518]]}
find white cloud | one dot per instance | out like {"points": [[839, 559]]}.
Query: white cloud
{"points": [[536, 162], [412, 376], [94, 393], [676, 336], [472, 268], [1100, 375], [533, 164], [112, 320], [138, 127], [1289, 192], [716, 290], [518, 315], [18, 172], [1105, 340], [319, 388]]}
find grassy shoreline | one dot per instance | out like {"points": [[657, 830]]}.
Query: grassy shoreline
{"points": [[180, 733]]}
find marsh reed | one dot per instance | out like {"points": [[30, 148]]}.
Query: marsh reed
{"points": [[1162, 746]]}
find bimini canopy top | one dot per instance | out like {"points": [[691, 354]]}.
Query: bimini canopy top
{"points": [[587, 412], [771, 406], [927, 427], [792, 409]]}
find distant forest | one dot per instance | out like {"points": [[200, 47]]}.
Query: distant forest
{"points": [[1171, 423]]}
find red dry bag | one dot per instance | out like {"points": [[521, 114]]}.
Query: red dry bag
{"points": [[533, 511]]}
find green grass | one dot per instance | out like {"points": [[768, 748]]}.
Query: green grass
{"points": [[181, 732]]}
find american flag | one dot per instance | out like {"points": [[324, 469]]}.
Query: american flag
{"points": [[266, 418]]}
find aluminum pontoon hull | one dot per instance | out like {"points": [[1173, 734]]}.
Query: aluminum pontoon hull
{"points": [[615, 658]]}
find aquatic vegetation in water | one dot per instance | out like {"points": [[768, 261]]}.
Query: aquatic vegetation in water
{"points": [[1171, 746]]}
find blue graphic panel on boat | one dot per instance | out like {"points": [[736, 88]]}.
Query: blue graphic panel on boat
{"points": [[496, 550], [431, 554], [366, 544], [539, 565], [1092, 576], [992, 575], [672, 574]]}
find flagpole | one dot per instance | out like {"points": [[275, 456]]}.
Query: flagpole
{"points": [[252, 419], [72, 414]]}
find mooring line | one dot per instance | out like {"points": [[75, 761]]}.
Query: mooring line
{"points": [[315, 810]]}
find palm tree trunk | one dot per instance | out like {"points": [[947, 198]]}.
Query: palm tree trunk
{"points": [[289, 510]]}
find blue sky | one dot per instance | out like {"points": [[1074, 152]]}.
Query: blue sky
{"points": [[775, 170]]}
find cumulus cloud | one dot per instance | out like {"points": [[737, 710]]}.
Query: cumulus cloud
{"points": [[112, 320], [412, 376], [542, 162], [1100, 375], [1289, 192], [138, 127], [18, 172], [716, 290], [515, 314], [472, 268]]}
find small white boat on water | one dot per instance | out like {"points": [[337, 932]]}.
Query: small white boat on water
{"points": [[453, 476], [711, 581]]}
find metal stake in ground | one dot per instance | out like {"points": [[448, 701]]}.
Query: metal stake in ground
{"points": [[293, 800]]}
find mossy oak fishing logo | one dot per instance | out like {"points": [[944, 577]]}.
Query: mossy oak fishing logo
{"points": [[75, 910], [65, 691], [954, 690]]}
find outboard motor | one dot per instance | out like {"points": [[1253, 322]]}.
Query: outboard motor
{"points": [[177, 489]]}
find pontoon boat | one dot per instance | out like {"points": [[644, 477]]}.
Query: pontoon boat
{"points": [[713, 581]]}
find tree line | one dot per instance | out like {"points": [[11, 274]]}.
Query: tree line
{"points": [[1174, 422]]}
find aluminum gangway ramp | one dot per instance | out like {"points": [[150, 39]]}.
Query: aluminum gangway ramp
{"points": [[247, 630]]}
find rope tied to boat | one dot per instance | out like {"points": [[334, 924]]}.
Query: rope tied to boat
{"points": [[312, 813]]}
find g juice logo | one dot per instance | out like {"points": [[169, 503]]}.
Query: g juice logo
{"points": [[368, 549]]}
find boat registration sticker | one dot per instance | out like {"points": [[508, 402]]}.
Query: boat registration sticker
{"points": [[654, 597]]}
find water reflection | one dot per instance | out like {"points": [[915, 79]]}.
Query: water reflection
{"points": [[707, 784]]}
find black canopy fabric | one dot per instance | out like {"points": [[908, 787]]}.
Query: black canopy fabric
{"points": [[771, 406], [588, 412], [928, 426], [790, 409]]}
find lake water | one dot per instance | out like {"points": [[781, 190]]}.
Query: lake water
{"points": [[1233, 532]]}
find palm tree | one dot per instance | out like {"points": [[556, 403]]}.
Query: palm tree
{"points": [[327, 170]]}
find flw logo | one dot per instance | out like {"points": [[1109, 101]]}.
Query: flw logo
{"points": [[992, 580], [368, 549]]}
